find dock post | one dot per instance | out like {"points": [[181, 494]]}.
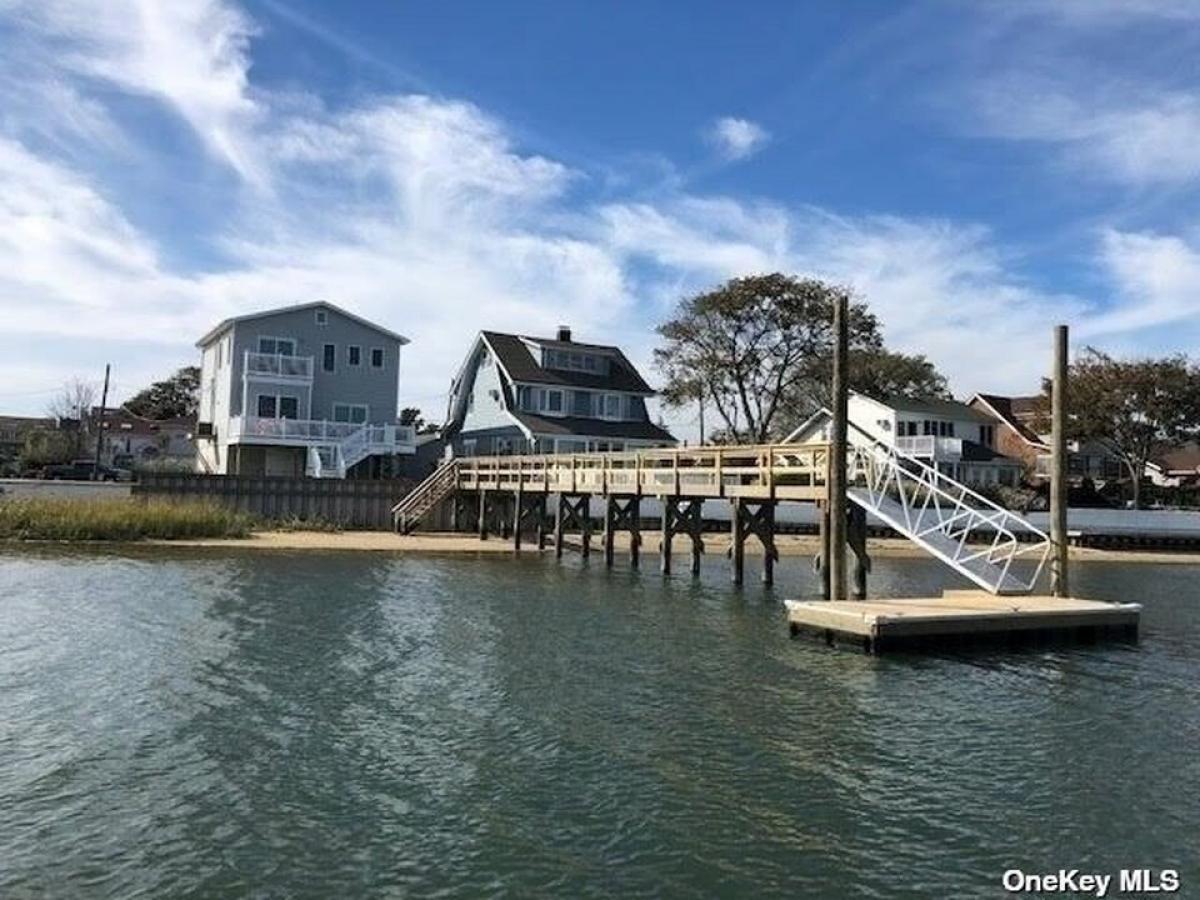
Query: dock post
{"points": [[823, 558], [559, 512], [667, 533], [737, 551], [541, 522], [696, 530], [1059, 581], [633, 513], [610, 515], [857, 532], [518, 509], [584, 512], [483, 514], [766, 535], [838, 450]]}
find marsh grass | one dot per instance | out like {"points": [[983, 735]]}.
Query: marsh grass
{"points": [[58, 519]]}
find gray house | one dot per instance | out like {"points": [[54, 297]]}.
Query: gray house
{"points": [[520, 394], [303, 390]]}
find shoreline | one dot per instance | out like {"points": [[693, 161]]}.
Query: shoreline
{"points": [[463, 544]]}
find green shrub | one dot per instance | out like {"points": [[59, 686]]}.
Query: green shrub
{"points": [[58, 519]]}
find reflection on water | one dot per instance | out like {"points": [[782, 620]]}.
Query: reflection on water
{"points": [[192, 724]]}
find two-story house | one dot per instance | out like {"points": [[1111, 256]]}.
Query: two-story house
{"points": [[1022, 433], [520, 394], [954, 438], [302, 390]]}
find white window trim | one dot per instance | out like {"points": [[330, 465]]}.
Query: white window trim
{"points": [[382, 358], [269, 337], [278, 398], [349, 361], [322, 317]]}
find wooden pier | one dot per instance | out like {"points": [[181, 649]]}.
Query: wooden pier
{"points": [[962, 617]]}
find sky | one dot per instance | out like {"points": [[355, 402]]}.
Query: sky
{"points": [[975, 171]]}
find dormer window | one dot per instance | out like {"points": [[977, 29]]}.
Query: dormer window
{"points": [[575, 361], [322, 317]]}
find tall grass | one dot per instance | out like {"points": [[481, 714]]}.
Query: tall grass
{"points": [[58, 519]]}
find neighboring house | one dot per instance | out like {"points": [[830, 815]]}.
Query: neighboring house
{"points": [[1178, 467], [1021, 434], [307, 389], [518, 394], [13, 431], [953, 437], [132, 441]]}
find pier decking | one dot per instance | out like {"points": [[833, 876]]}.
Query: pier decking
{"points": [[961, 616]]}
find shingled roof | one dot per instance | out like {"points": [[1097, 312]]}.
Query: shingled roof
{"points": [[601, 428], [513, 354]]}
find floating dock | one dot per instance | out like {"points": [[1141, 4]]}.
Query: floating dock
{"points": [[959, 617]]}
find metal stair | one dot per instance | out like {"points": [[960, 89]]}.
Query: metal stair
{"points": [[408, 513], [974, 536]]}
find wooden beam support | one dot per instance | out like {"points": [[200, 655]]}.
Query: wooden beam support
{"points": [[838, 449], [1059, 581], [857, 536]]}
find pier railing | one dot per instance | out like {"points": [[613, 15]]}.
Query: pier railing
{"points": [[763, 471]]}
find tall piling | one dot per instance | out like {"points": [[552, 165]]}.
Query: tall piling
{"points": [[1059, 581], [838, 449]]}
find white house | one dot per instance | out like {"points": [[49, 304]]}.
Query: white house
{"points": [[951, 436], [307, 389], [521, 394]]}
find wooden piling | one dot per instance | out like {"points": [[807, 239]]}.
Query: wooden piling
{"points": [[667, 532], [857, 533], [838, 449], [518, 509], [1059, 581], [737, 534], [610, 515], [559, 513], [823, 559], [483, 515]]}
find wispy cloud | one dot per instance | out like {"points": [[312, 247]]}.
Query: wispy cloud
{"points": [[736, 138]]}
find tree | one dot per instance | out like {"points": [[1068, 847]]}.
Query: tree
{"points": [[410, 415], [74, 401], [1133, 408], [759, 351], [177, 397], [46, 447]]}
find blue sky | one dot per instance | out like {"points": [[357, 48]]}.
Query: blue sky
{"points": [[976, 171]]}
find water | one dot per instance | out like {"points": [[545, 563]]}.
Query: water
{"points": [[322, 725]]}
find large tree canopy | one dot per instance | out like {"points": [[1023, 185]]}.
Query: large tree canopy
{"points": [[759, 351], [174, 397], [1134, 408]]}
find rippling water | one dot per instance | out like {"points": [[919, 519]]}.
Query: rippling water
{"points": [[324, 725]]}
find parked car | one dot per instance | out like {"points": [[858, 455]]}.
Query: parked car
{"points": [[82, 470]]}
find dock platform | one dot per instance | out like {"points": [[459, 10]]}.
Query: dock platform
{"points": [[959, 617]]}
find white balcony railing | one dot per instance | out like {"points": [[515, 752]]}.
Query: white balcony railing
{"points": [[274, 365], [319, 432], [930, 446]]}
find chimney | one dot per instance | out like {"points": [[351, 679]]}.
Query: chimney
{"points": [[564, 333]]}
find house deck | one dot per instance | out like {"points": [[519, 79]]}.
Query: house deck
{"points": [[962, 617]]}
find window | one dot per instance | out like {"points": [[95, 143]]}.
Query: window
{"points": [[355, 413], [220, 347], [525, 398], [277, 346], [554, 401], [610, 406], [376, 357], [581, 403], [354, 355], [322, 317], [329, 357], [289, 408], [274, 406], [266, 406]]}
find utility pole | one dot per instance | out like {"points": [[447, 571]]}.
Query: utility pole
{"points": [[700, 400], [837, 451], [1059, 582], [100, 423]]}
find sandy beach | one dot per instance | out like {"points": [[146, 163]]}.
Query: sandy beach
{"points": [[714, 543]]}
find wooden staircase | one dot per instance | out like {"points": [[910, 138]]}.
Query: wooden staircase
{"points": [[409, 512]]}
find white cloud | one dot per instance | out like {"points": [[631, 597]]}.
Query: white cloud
{"points": [[737, 138], [1131, 140], [191, 54]]}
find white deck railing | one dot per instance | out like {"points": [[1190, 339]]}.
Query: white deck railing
{"points": [[304, 432], [275, 365], [928, 446]]}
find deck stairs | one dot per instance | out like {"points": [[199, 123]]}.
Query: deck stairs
{"points": [[409, 512], [968, 532]]}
